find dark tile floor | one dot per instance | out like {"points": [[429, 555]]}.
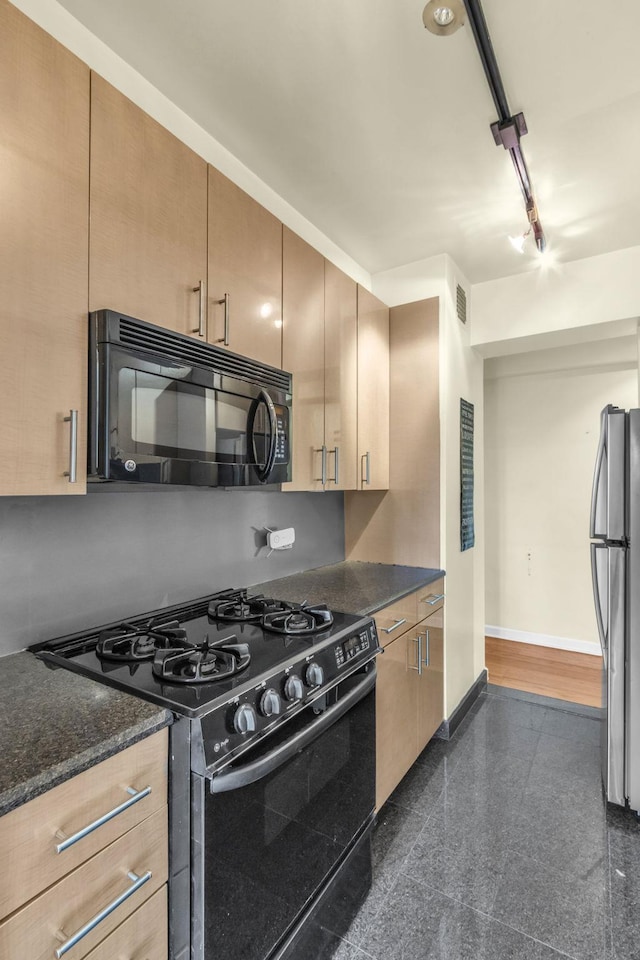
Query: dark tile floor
{"points": [[498, 845]]}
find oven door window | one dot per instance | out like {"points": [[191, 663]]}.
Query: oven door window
{"points": [[270, 845], [164, 417]]}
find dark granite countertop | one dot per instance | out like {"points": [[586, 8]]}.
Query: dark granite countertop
{"points": [[351, 586], [55, 724]]}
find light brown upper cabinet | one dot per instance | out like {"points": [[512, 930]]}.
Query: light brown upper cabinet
{"points": [[373, 392], [44, 160], [303, 355], [403, 526], [148, 255], [320, 350], [245, 273], [340, 379]]}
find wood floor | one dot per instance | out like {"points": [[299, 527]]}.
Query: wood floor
{"points": [[552, 673]]}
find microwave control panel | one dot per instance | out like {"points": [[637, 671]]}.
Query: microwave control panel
{"points": [[282, 435]]}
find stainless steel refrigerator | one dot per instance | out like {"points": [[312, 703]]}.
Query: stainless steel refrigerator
{"points": [[615, 565]]}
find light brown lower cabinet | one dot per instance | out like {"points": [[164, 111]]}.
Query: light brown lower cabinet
{"points": [[87, 863], [431, 679], [54, 919], [143, 936], [396, 711], [409, 689]]}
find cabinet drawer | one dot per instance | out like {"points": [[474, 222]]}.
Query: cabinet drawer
{"points": [[31, 834], [143, 936], [396, 619], [430, 598], [39, 929]]}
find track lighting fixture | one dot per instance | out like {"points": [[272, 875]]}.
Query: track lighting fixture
{"points": [[518, 242], [443, 19]]}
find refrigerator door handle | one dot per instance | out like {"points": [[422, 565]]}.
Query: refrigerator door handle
{"points": [[599, 478], [602, 630]]}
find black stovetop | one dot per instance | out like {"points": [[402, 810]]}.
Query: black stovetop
{"points": [[269, 652]]}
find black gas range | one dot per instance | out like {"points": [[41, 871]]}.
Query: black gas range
{"points": [[272, 773]]}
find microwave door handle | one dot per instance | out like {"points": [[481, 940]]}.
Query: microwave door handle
{"points": [[263, 397], [273, 433]]}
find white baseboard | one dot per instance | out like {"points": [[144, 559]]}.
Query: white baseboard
{"points": [[542, 640]]}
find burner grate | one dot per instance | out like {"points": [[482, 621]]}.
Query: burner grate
{"points": [[298, 619], [130, 643], [241, 608], [201, 664], [276, 616]]}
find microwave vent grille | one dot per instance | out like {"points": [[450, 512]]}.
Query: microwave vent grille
{"points": [[142, 336]]}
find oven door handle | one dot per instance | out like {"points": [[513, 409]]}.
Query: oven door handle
{"points": [[248, 773]]}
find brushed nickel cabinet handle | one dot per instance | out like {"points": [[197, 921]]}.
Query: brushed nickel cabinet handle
{"points": [[418, 667], [227, 319], [72, 472], [432, 599], [366, 458], [138, 881], [323, 473], [67, 842], [394, 626], [201, 289], [427, 657], [336, 454]]}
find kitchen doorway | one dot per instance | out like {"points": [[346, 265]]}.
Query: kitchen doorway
{"points": [[541, 422]]}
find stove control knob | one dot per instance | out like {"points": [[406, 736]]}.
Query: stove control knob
{"points": [[270, 704], [245, 719], [293, 689], [314, 675]]}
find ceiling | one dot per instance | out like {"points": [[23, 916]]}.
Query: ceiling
{"points": [[378, 132]]}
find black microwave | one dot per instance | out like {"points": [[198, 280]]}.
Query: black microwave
{"points": [[167, 408]]}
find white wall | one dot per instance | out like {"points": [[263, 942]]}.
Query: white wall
{"points": [[460, 376], [557, 303], [541, 433]]}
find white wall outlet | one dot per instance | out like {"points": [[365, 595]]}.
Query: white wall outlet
{"points": [[281, 539]]}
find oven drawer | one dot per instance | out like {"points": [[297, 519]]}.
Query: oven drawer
{"points": [[143, 936], [31, 834], [42, 929]]}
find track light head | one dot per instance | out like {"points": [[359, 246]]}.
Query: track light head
{"points": [[443, 18]]}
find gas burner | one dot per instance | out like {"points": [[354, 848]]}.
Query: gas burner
{"points": [[237, 607], [128, 643], [187, 663], [298, 618]]}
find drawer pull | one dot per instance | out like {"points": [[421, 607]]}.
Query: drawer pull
{"points": [[69, 841], [99, 917], [396, 624], [432, 599]]}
